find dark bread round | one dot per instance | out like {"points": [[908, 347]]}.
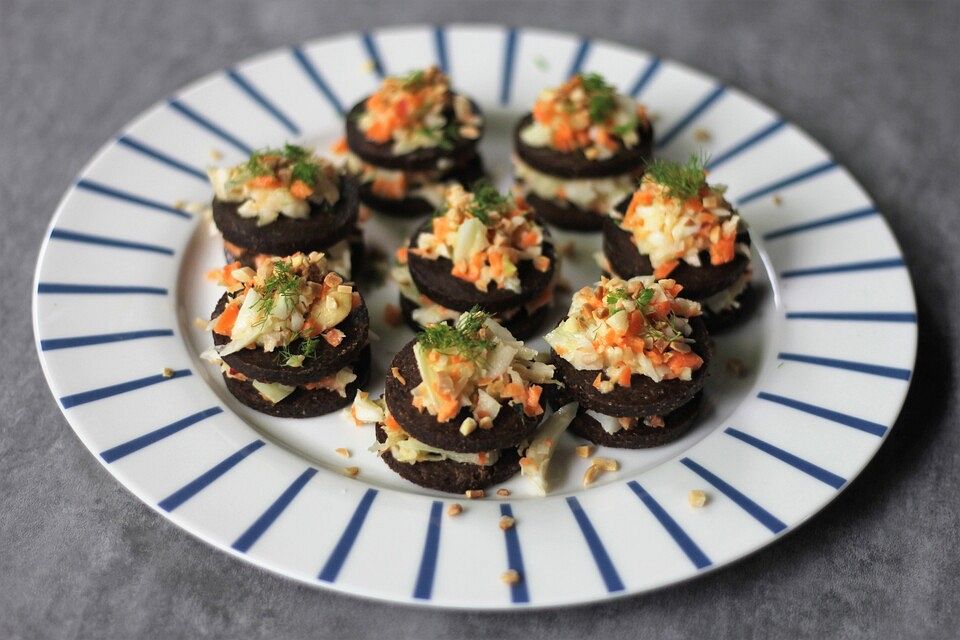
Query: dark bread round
{"points": [[324, 227], [522, 325], [303, 403], [434, 279], [698, 282], [381, 154], [575, 164], [416, 207], [266, 366], [677, 423], [565, 215], [510, 427], [248, 258], [643, 397], [729, 318], [450, 476]]}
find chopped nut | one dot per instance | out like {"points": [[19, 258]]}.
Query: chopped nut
{"points": [[486, 422], [473, 494], [216, 155], [503, 492], [506, 522], [200, 323], [167, 372], [392, 315], [468, 426], [590, 476], [592, 153], [777, 200], [654, 421], [454, 510], [180, 204], [736, 368], [606, 464], [470, 132], [368, 66], [697, 498], [351, 471], [701, 135], [343, 453], [395, 372], [584, 450], [510, 576]]}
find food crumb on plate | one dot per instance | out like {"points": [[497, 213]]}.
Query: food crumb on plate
{"points": [[503, 492], [167, 372], [584, 451], [510, 576], [473, 494], [455, 509], [697, 498], [351, 471], [342, 452], [506, 522]]}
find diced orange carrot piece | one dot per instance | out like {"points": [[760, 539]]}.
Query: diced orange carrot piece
{"points": [[227, 319], [300, 190], [264, 182], [665, 269]]}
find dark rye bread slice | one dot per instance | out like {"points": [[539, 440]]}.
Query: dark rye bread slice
{"points": [[698, 282], [565, 215], [267, 367], [729, 318], [522, 325], [325, 226], [415, 206], [510, 427], [450, 476], [381, 154], [303, 403], [435, 280], [676, 424], [643, 397], [575, 164], [248, 258]]}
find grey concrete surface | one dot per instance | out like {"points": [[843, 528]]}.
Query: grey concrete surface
{"points": [[876, 82]]}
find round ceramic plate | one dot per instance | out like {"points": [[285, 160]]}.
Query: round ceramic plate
{"points": [[826, 358]]}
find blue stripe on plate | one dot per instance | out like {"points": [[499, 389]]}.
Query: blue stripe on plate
{"points": [[827, 414], [509, 53], [204, 480], [51, 344], [607, 571], [110, 192], [97, 289], [821, 222], [745, 144], [263, 101], [849, 365], [645, 76], [758, 513], [869, 265], [796, 462], [340, 552], [260, 526], [691, 115], [314, 74], [688, 546], [136, 444], [423, 588], [373, 53], [93, 395], [518, 591], [788, 181], [440, 44], [160, 156], [205, 123], [103, 241], [576, 65], [854, 316]]}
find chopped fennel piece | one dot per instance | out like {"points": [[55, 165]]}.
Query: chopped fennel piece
{"points": [[272, 391], [536, 461]]}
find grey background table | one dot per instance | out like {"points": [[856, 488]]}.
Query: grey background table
{"points": [[878, 83]]}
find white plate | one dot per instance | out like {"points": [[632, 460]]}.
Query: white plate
{"points": [[120, 279]]}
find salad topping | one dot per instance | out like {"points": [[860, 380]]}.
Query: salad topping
{"points": [[587, 114], [625, 327], [485, 235], [675, 214], [277, 181], [590, 194]]}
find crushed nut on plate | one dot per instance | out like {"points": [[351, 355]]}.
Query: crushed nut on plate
{"points": [[167, 372], [455, 509], [342, 452], [506, 522], [590, 475], [351, 471], [473, 494], [510, 576], [697, 498], [701, 135], [606, 464], [777, 200], [584, 451]]}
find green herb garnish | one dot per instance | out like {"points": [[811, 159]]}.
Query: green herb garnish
{"points": [[486, 199], [302, 165], [603, 100], [282, 284], [412, 79], [682, 181], [642, 299], [463, 338], [307, 348]]}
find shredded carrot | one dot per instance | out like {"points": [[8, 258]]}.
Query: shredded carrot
{"points": [[665, 269], [531, 405], [401, 255], [722, 252], [264, 182], [394, 189], [301, 190], [227, 319], [340, 146], [334, 337], [678, 361], [624, 378], [391, 424]]}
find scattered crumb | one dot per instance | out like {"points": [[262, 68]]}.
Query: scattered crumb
{"points": [[351, 471], [468, 426], [605, 464], [395, 372], [503, 492], [200, 323], [216, 155], [506, 522], [368, 66], [343, 453], [167, 372], [777, 200], [454, 510], [180, 204], [392, 315], [590, 475], [510, 576], [701, 135], [697, 498], [655, 422], [584, 451], [736, 368], [473, 494], [592, 153]]}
